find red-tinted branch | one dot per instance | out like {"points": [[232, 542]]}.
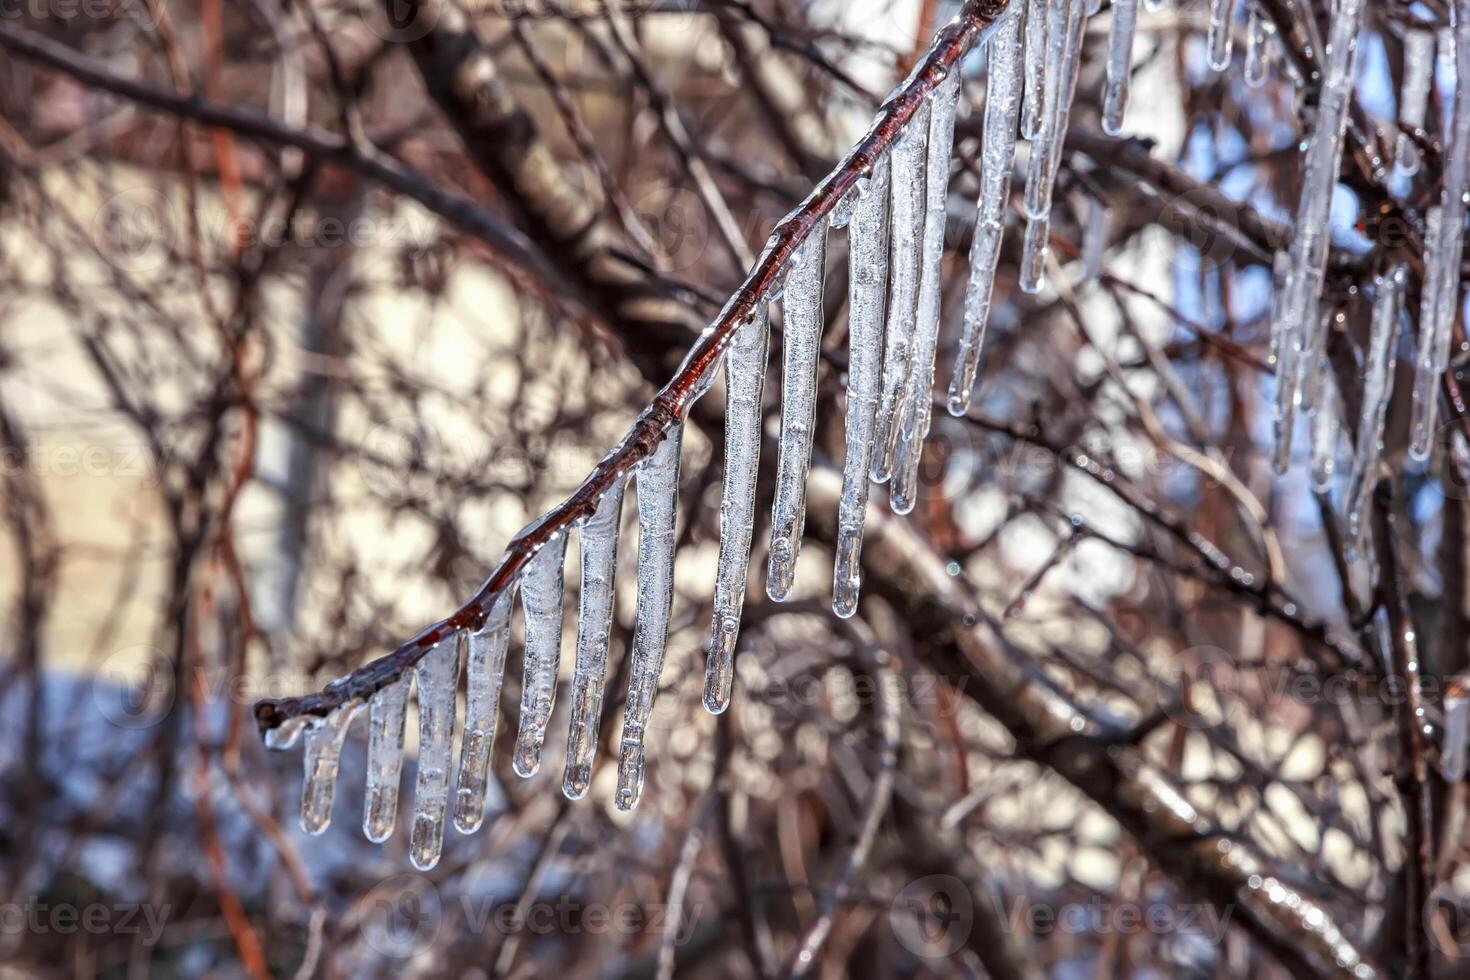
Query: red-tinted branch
{"points": [[674, 399]]}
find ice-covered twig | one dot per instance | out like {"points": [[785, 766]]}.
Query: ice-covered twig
{"points": [[975, 18]]}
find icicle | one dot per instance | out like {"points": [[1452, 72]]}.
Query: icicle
{"points": [[1378, 370], [1456, 732], [385, 759], [1095, 237], [1120, 60], [542, 591], [1065, 50], [867, 274], [1301, 330], [745, 377], [1324, 431], [438, 681], [801, 342], [917, 404], [997, 158], [658, 499], [1442, 254], [906, 213], [286, 734], [1034, 250], [484, 674], [1257, 48], [1286, 350], [324, 738], [1444, 65], [1222, 17], [599, 545], [1414, 95], [1037, 66]]}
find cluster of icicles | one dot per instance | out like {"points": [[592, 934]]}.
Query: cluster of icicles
{"points": [[1299, 328], [895, 221]]}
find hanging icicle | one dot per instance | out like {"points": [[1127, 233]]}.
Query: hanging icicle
{"points": [[323, 753], [745, 378], [437, 679], [1095, 237], [1120, 65], [1064, 43], [997, 159], [906, 226], [1285, 350], [867, 237], [917, 402], [658, 499], [542, 594], [1443, 251], [598, 538], [1037, 67], [1414, 96], [1257, 47], [1302, 332], [1220, 38], [386, 712], [1378, 370], [484, 674], [1324, 432], [801, 349]]}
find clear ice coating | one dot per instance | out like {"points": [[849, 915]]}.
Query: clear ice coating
{"points": [[324, 738], [437, 676], [542, 594], [1302, 332], [1324, 431], [1064, 50], [867, 237], [1036, 66], [658, 504], [997, 159], [599, 545], [1425, 394], [1414, 95], [1441, 294], [1285, 351], [1095, 237], [1222, 17], [916, 404], [386, 711], [484, 674], [1456, 732], [1120, 58], [1257, 48], [801, 341], [906, 223], [286, 734], [745, 378], [1377, 389]]}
